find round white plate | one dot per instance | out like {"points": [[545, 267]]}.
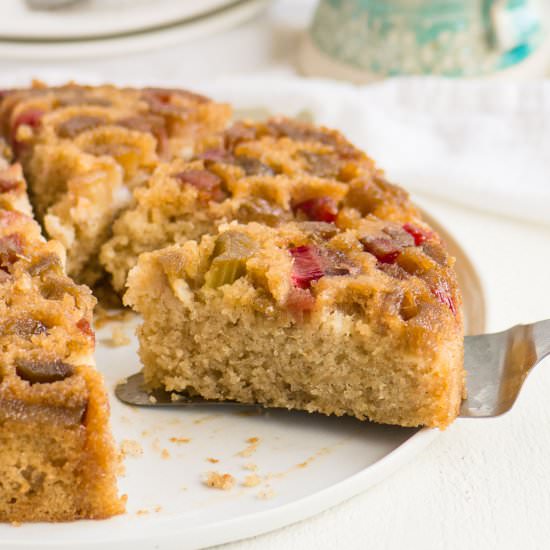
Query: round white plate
{"points": [[138, 42], [96, 18], [305, 463]]}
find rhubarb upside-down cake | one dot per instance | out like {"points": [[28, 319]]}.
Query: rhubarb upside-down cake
{"points": [[272, 263]]}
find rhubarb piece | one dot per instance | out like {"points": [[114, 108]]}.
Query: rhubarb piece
{"points": [[43, 372], [307, 267], [254, 167], [229, 259], [320, 209], [419, 234], [208, 184], [383, 248], [443, 294], [257, 209], [78, 124]]}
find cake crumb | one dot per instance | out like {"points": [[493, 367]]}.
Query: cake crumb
{"points": [[130, 447], [16, 524], [158, 509], [103, 316], [253, 443], [180, 440], [252, 480], [266, 494], [119, 338], [183, 488], [212, 460], [142, 512], [152, 399], [215, 480], [165, 454], [251, 466]]}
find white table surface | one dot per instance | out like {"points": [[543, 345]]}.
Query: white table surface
{"points": [[482, 483]]}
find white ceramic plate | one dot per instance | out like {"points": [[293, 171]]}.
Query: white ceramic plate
{"points": [[305, 463], [96, 18], [163, 37]]}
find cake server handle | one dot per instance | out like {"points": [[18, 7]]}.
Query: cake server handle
{"points": [[498, 364]]}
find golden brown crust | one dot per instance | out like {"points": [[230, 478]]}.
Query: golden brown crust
{"points": [[269, 172], [84, 149]]}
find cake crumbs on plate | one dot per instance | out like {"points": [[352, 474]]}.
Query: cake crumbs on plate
{"points": [[180, 440], [212, 460], [158, 509], [119, 337], [266, 494], [142, 512], [252, 480], [251, 466], [215, 480], [253, 443], [130, 447], [103, 316], [165, 454]]}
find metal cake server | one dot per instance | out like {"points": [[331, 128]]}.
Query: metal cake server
{"points": [[496, 366]]}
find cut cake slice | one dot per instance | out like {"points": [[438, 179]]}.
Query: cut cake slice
{"points": [[364, 321], [57, 456]]}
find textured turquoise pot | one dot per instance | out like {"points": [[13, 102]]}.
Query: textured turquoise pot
{"points": [[444, 37]]}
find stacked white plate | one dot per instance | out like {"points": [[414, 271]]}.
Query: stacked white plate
{"points": [[92, 28]]}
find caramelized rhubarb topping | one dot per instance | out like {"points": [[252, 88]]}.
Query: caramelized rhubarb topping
{"points": [[11, 248], [383, 248], [208, 184], [259, 210], [323, 166], [307, 266], [78, 124], [443, 294], [237, 133], [319, 209], [30, 117], [8, 185], [254, 167], [43, 372], [84, 326], [419, 235], [216, 155], [27, 327], [231, 252], [312, 262]]}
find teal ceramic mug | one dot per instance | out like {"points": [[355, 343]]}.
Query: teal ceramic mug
{"points": [[443, 37]]}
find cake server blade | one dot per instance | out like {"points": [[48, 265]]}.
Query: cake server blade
{"points": [[496, 367]]}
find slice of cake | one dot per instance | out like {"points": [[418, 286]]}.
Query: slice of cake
{"points": [[269, 172], [364, 321], [84, 149], [57, 456]]}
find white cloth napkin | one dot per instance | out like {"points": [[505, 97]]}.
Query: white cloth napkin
{"points": [[482, 144]]}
